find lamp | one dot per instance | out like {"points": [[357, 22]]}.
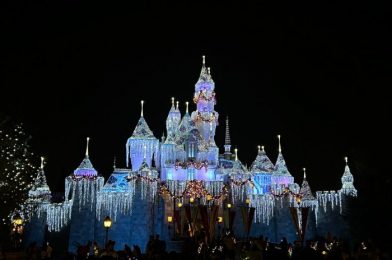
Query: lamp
{"points": [[228, 205], [17, 219], [107, 223], [191, 199], [220, 219], [247, 201], [170, 219], [209, 197], [179, 204]]}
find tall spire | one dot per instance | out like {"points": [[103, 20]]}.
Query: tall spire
{"points": [[281, 168], [186, 107], [236, 154], [86, 167], [348, 181], [227, 138], [172, 101], [87, 143], [177, 102], [141, 111], [262, 163], [204, 60], [40, 191], [307, 198]]}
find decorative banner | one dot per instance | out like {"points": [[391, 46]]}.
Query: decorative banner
{"points": [[247, 218], [188, 215], [213, 217], [244, 214], [305, 213], [294, 216], [250, 219], [204, 218], [183, 220], [226, 218], [231, 219], [177, 221]]}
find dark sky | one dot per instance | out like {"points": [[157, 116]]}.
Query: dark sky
{"points": [[315, 73]]}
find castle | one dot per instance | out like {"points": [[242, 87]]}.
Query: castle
{"points": [[180, 184]]}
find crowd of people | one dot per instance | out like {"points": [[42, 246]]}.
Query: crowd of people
{"points": [[225, 248]]}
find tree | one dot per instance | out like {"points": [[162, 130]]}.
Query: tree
{"points": [[16, 170]]}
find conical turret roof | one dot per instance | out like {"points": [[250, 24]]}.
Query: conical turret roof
{"points": [[262, 163], [205, 76], [305, 190], [40, 189], [142, 130], [86, 167], [348, 181], [280, 166]]}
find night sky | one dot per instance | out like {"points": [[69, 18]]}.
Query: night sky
{"points": [[317, 74]]}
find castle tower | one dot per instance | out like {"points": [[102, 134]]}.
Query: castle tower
{"points": [[307, 198], [141, 137], [281, 175], [348, 181], [40, 191], [82, 188], [172, 122], [167, 154], [205, 117], [39, 197], [262, 169]]}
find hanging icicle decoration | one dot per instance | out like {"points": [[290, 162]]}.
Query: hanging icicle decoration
{"points": [[329, 197], [264, 207], [58, 215]]}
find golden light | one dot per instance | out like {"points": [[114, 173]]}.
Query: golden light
{"points": [[169, 219], [220, 219], [191, 199], [179, 204], [17, 220], [228, 205], [298, 199], [209, 197], [247, 201], [107, 222]]}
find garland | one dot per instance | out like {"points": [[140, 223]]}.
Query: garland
{"points": [[202, 96], [205, 119], [83, 177], [194, 189], [188, 164], [286, 192]]}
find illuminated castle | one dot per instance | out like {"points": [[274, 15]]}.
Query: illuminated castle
{"points": [[180, 184]]}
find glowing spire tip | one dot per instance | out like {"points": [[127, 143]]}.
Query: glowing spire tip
{"points": [[142, 104], [87, 143], [42, 162]]}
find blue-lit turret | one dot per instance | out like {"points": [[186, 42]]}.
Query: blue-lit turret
{"points": [[141, 143], [281, 176], [262, 169]]}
